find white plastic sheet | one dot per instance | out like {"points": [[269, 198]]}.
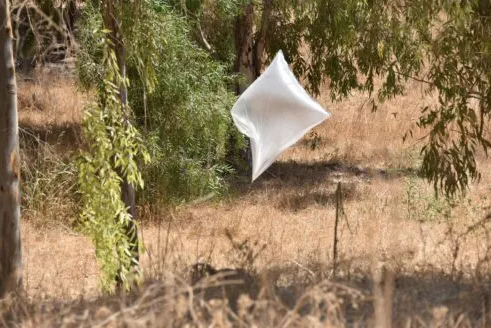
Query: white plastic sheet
{"points": [[275, 112]]}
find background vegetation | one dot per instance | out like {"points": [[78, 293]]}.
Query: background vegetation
{"points": [[407, 256], [184, 116]]}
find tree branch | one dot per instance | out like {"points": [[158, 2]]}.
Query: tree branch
{"points": [[201, 38]]}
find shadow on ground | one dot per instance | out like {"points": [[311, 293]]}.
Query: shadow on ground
{"points": [[68, 137], [300, 185], [299, 174]]}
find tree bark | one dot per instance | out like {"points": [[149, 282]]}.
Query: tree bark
{"points": [[244, 34], [71, 16], [249, 50], [260, 42], [249, 45], [112, 22], [10, 242]]}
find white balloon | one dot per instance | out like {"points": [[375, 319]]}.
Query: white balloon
{"points": [[275, 112]]}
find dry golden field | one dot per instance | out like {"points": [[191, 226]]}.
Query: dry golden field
{"points": [[405, 258]]}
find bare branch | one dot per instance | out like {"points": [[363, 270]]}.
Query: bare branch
{"points": [[201, 38]]}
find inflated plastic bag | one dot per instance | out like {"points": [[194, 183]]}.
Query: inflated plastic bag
{"points": [[275, 112]]}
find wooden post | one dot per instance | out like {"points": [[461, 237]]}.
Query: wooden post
{"points": [[383, 295], [339, 213], [10, 242]]}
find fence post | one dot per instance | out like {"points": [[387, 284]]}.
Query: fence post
{"points": [[339, 213]]}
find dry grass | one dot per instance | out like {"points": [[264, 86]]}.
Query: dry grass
{"points": [[48, 101], [406, 258], [50, 110]]}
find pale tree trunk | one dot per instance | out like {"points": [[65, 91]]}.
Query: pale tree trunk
{"points": [[111, 8], [10, 242]]}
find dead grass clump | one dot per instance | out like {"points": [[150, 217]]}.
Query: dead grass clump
{"points": [[48, 100], [382, 300], [50, 109], [48, 182], [174, 303]]}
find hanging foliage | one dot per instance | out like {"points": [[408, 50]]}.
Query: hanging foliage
{"points": [[181, 99], [376, 47], [186, 118], [114, 149]]}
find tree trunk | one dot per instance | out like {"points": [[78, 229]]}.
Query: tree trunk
{"points": [[10, 242], [260, 42], [249, 45], [249, 50], [111, 8], [244, 33], [70, 14]]}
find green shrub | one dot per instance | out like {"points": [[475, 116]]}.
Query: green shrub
{"points": [[184, 115]]}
